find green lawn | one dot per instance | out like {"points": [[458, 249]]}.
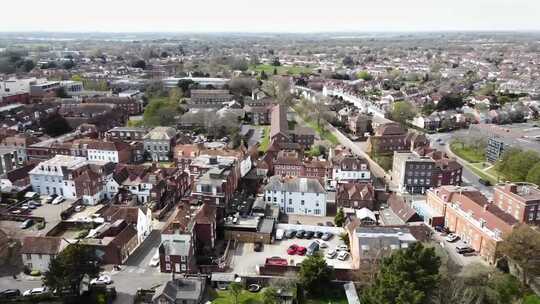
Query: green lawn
{"points": [[246, 297], [321, 130], [265, 142], [281, 70], [468, 153], [337, 296]]}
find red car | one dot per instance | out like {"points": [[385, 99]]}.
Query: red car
{"points": [[295, 249]]}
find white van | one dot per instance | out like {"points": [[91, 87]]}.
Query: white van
{"points": [[279, 234]]}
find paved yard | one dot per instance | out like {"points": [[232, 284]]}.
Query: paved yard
{"points": [[450, 248], [245, 259]]}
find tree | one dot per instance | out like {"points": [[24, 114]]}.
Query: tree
{"points": [[522, 246], [239, 63], [242, 86], [339, 219], [68, 65], [406, 276], [235, 289], [428, 108], [402, 111], [515, 164], [533, 176], [315, 274], [276, 62], [450, 102], [348, 61], [270, 295], [139, 63], [186, 85], [67, 269], [364, 75], [254, 59], [279, 88], [55, 125]]}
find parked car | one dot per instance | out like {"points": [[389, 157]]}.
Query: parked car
{"points": [[484, 182], [312, 248], [10, 294], [464, 249], [330, 254], [327, 236], [309, 235], [295, 249], [300, 234], [279, 234], [322, 244], [257, 247], [48, 199], [342, 247], [79, 208], [343, 255], [317, 234], [57, 200], [452, 237], [330, 224], [26, 224], [254, 288], [290, 233], [154, 262], [101, 280], [35, 291]]}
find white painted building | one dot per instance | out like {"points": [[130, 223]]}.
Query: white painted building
{"points": [[38, 251], [304, 196], [350, 168]]}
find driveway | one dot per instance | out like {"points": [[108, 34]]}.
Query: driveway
{"points": [[143, 254]]}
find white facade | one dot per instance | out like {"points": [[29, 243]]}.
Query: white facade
{"points": [[297, 196], [103, 155], [362, 173], [49, 177], [144, 224], [36, 261]]}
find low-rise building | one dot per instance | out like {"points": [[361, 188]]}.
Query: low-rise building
{"points": [[38, 251], [297, 195], [159, 143], [126, 133], [392, 137], [355, 195], [189, 290], [349, 168]]}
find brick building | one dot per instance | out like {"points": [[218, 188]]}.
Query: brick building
{"points": [[521, 200]]}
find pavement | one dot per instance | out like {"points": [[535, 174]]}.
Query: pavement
{"points": [[457, 258]]}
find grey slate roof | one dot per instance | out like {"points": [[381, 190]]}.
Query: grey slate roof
{"points": [[301, 184], [181, 289]]}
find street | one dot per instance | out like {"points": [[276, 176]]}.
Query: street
{"points": [[467, 175]]}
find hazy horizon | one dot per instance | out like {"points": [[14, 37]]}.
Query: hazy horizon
{"points": [[278, 16]]}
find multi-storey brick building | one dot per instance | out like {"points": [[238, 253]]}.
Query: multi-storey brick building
{"points": [[355, 195], [521, 200], [470, 215], [392, 137]]}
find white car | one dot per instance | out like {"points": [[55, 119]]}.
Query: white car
{"points": [[322, 244], [342, 247], [101, 280], [279, 234], [452, 237], [331, 254], [154, 262], [57, 200], [343, 255], [35, 291]]}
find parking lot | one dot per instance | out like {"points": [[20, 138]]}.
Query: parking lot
{"points": [[246, 259], [450, 248]]}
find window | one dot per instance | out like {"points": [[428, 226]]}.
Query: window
{"points": [[317, 211], [167, 266], [40, 256], [290, 201], [167, 258], [28, 256], [302, 202]]}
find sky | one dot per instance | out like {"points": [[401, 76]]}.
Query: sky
{"points": [[269, 16]]}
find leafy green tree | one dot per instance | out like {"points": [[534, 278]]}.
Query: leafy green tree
{"points": [[235, 289], [339, 219], [515, 164], [450, 102], [402, 111], [67, 270], [364, 75], [140, 63], [270, 296], [522, 246], [428, 108], [533, 176], [315, 274], [407, 276]]}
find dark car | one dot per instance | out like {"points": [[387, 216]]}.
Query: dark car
{"points": [[318, 234], [290, 233], [10, 294], [484, 182], [308, 234], [258, 246], [330, 224], [327, 236], [300, 234]]}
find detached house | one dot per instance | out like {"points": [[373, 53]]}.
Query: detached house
{"points": [[38, 251], [159, 143]]}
